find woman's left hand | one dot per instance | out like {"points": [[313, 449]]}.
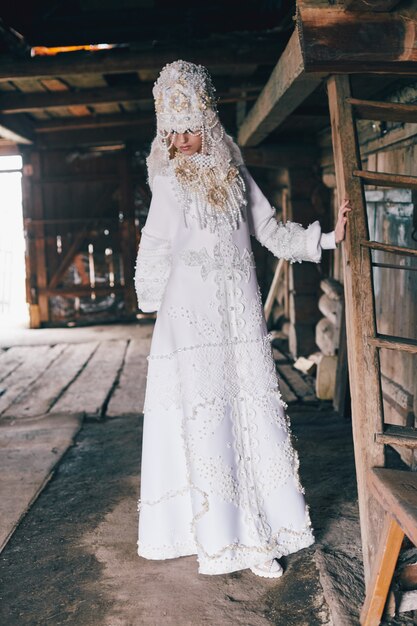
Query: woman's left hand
{"points": [[342, 217]]}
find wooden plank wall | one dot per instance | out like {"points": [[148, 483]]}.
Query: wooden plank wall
{"points": [[82, 235]]}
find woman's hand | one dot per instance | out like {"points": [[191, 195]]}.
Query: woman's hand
{"points": [[340, 228]]}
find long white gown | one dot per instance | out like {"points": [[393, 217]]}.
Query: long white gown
{"points": [[219, 474]]}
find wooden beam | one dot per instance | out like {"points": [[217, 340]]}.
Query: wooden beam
{"points": [[127, 229], [8, 148], [386, 559], [398, 436], [281, 155], [17, 102], [384, 111], [287, 87], [273, 290], [370, 5], [30, 244], [93, 121], [16, 128], [390, 342], [96, 137], [117, 62], [386, 179], [337, 41], [363, 358], [37, 212]]}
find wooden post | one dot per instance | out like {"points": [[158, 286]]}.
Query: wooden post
{"points": [[367, 412], [30, 253], [304, 279], [273, 290], [128, 232], [342, 395], [36, 269], [285, 212]]}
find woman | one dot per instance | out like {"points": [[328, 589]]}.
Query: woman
{"points": [[219, 472]]}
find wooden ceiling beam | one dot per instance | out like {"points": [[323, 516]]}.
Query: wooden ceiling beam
{"points": [[287, 87], [94, 121], [17, 102], [16, 128], [330, 41], [344, 42], [116, 62], [140, 134]]}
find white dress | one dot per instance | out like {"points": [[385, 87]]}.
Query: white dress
{"points": [[219, 473]]}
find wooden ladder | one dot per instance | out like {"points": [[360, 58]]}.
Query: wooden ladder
{"points": [[369, 432]]}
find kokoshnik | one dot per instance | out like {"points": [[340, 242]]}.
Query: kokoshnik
{"points": [[185, 101]]}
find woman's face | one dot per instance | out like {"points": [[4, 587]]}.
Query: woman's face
{"points": [[188, 142]]}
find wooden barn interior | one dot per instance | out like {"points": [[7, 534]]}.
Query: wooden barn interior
{"points": [[322, 99]]}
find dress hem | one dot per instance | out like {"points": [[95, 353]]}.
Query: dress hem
{"points": [[241, 563]]}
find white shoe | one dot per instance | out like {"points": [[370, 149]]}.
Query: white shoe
{"points": [[270, 569]]}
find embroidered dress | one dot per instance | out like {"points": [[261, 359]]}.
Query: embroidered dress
{"points": [[219, 473]]}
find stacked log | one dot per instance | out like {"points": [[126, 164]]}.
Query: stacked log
{"points": [[327, 337]]}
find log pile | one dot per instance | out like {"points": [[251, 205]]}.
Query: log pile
{"points": [[328, 337]]}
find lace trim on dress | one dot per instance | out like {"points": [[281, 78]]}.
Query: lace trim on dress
{"points": [[291, 241], [287, 241], [152, 270], [215, 385], [236, 555]]}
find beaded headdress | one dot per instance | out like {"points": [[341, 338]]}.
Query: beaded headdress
{"points": [[184, 98], [185, 101]]}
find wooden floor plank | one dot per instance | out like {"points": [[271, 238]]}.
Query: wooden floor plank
{"points": [[279, 356], [292, 385], [40, 397], [129, 395], [90, 390], [287, 395], [30, 451], [12, 358], [37, 361], [296, 382]]}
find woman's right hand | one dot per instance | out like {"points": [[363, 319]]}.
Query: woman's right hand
{"points": [[342, 217]]}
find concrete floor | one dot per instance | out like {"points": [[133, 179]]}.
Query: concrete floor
{"points": [[72, 560]]}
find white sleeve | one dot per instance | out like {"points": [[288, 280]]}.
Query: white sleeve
{"points": [[290, 240], [154, 257]]}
